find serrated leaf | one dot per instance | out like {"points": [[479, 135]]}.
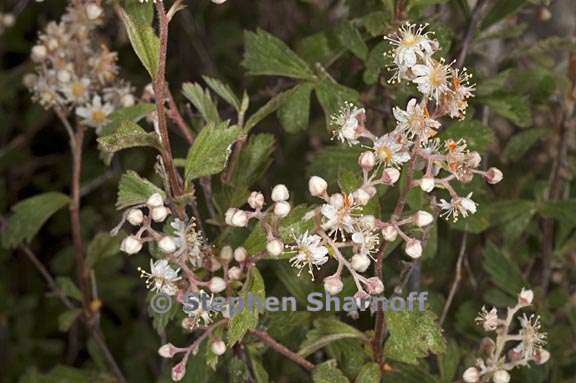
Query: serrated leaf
{"points": [[295, 111], [376, 62], [142, 36], [102, 246], [224, 91], [128, 135], [512, 107], [320, 48], [328, 373], [254, 159], [131, 113], [202, 101], [134, 190], [267, 109], [332, 97], [477, 136], [68, 288], [29, 216], [67, 319], [269, 56], [521, 142], [370, 373], [413, 335], [376, 23], [350, 38], [210, 151], [503, 272], [560, 210], [327, 330], [247, 319], [332, 161]]}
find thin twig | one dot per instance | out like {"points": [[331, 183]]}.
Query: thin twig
{"points": [[267, 339], [457, 278]]}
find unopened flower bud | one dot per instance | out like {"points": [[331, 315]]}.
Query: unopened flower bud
{"points": [[333, 285], [217, 285], [367, 160], [275, 247], [374, 286], [390, 176], [493, 175], [228, 215], [360, 262], [337, 200], [471, 375], [256, 200], [234, 273], [362, 299], [317, 186], [39, 52], [167, 244], [501, 376], [525, 297], [8, 20], [159, 214], [226, 253], [413, 248], [127, 100], [167, 351], [131, 245], [218, 347], [474, 159], [389, 232], [240, 254], [361, 196], [93, 11], [155, 200], [542, 356], [423, 218], [239, 218], [281, 209], [64, 76], [135, 217], [280, 193], [178, 371], [218, 1], [427, 184]]}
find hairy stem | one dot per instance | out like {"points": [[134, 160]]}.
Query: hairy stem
{"points": [[268, 340]]}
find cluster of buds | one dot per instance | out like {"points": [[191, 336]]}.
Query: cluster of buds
{"points": [[280, 209], [498, 357], [74, 71], [7, 20]]}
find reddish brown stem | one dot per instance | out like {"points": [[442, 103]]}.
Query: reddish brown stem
{"points": [[268, 340]]}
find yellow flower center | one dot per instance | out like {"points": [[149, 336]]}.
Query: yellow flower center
{"points": [[384, 153], [98, 117], [78, 89]]}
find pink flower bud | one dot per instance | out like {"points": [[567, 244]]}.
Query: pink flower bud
{"points": [[178, 371], [217, 285], [389, 232], [367, 160], [167, 351], [493, 175], [374, 286], [218, 347], [256, 200], [240, 254], [390, 176], [333, 285], [525, 297]]}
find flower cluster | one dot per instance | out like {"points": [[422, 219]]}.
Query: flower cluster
{"points": [[7, 20], [74, 71], [528, 342]]}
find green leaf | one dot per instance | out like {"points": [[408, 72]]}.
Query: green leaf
{"points": [[376, 62], [128, 135], [298, 287], [29, 216], [350, 38], [503, 272], [500, 10], [448, 362], [67, 319], [102, 246], [270, 107], [295, 112], [269, 56], [134, 190], [561, 210], [247, 319], [224, 91], [513, 107], [332, 97], [327, 330], [477, 136], [521, 142], [332, 161], [209, 152], [69, 288], [131, 113], [320, 48], [142, 36], [202, 101], [376, 23], [328, 373], [413, 335], [370, 373], [254, 159]]}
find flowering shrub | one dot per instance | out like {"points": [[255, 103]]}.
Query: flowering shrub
{"points": [[396, 201]]}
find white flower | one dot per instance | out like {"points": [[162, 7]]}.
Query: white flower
{"points": [[317, 186], [390, 151], [525, 297], [348, 123], [411, 43], [189, 241], [309, 252], [459, 206], [77, 91], [457, 99], [194, 306], [533, 339], [415, 120], [162, 277], [365, 240], [432, 78], [280, 193], [361, 196], [93, 11], [338, 214], [95, 114], [488, 319]]}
